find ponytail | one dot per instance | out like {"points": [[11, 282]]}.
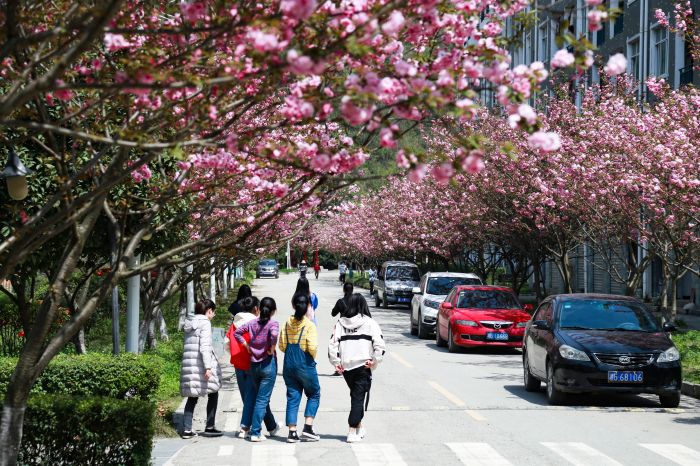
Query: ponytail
{"points": [[249, 304], [267, 310], [300, 302]]}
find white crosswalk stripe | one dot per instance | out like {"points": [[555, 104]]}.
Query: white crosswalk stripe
{"points": [[478, 454], [225, 450], [274, 455], [377, 454], [679, 454], [580, 454]]}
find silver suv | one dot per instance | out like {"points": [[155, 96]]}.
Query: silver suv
{"points": [[267, 268], [395, 282]]}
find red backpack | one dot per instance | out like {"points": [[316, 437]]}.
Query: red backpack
{"points": [[240, 358]]}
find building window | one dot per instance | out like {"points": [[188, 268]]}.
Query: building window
{"points": [[659, 60], [620, 20], [633, 54], [544, 50]]}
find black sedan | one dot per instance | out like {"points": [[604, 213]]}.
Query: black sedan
{"points": [[586, 343]]}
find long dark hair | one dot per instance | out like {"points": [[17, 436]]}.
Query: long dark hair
{"points": [[243, 292], [249, 303], [300, 303], [303, 286], [348, 288], [268, 306], [203, 306], [357, 305]]}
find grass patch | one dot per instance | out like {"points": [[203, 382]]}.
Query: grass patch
{"points": [[688, 344]]}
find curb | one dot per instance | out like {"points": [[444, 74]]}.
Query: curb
{"points": [[691, 389]]}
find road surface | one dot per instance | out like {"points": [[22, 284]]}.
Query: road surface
{"points": [[431, 407]]}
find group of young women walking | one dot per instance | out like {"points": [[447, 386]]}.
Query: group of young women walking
{"points": [[355, 349]]}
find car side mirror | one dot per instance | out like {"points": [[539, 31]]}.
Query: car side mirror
{"points": [[416, 290], [541, 325], [669, 327], [528, 308], [446, 306]]}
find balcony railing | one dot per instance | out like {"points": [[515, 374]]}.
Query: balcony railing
{"points": [[686, 75]]}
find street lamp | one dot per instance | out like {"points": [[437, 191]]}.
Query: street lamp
{"points": [[16, 175]]}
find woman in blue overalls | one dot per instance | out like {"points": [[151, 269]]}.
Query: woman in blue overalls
{"points": [[299, 341]]}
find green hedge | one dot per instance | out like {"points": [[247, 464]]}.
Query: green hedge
{"points": [[65, 430], [94, 374]]}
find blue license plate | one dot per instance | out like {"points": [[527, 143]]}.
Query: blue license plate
{"points": [[625, 376], [404, 300], [497, 336]]}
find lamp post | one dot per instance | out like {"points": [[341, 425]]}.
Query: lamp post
{"points": [[15, 174]]}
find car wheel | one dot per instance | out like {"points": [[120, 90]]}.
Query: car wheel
{"points": [[414, 327], [451, 345], [554, 396], [423, 332], [532, 383], [385, 303], [277, 276], [376, 300], [670, 401], [438, 339], [257, 275]]}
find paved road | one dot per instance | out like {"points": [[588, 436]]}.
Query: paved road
{"points": [[432, 407]]}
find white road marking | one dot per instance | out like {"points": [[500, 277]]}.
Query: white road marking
{"points": [[478, 454], [580, 454], [400, 408], [377, 454], [273, 455], [679, 454], [401, 360], [444, 392], [172, 458], [225, 450], [475, 415]]}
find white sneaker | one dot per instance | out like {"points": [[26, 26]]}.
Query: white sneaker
{"points": [[361, 432], [257, 438], [353, 436], [273, 432], [243, 434]]}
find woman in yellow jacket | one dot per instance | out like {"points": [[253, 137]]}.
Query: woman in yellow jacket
{"points": [[299, 343]]}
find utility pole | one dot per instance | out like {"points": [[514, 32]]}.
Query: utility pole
{"points": [[224, 290], [289, 257], [212, 281], [133, 298], [190, 291]]}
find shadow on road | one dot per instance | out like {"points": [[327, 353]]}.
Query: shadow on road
{"points": [[688, 420], [586, 400]]}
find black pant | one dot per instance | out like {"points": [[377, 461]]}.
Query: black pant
{"points": [[371, 288], [212, 402], [360, 382], [342, 278]]}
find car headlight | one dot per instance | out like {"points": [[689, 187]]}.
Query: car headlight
{"points": [[567, 352], [466, 323], [670, 355], [521, 324], [433, 304]]}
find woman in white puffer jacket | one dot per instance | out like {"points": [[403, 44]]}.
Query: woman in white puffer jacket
{"points": [[201, 373]]}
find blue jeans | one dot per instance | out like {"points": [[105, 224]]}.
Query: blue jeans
{"points": [[263, 376], [245, 386], [300, 375]]}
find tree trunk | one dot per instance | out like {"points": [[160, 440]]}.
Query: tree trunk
{"points": [[11, 432], [182, 314], [79, 342], [162, 326]]}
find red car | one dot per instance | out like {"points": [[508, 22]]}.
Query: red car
{"points": [[480, 315]]}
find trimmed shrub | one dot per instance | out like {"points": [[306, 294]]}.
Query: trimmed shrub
{"points": [[65, 430], [124, 376]]}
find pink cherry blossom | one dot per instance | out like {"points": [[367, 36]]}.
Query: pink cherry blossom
{"points": [[394, 24], [617, 64], [544, 141], [298, 9], [562, 59], [115, 42], [595, 19], [193, 11]]}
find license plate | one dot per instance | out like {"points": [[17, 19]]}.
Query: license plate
{"points": [[404, 300], [497, 336], [625, 376]]}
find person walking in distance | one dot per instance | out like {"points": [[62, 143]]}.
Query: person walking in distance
{"points": [[317, 269], [299, 342], [342, 270], [263, 361], [303, 287], [240, 359], [355, 349], [340, 307], [372, 278], [201, 373], [303, 267], [243, 292]]}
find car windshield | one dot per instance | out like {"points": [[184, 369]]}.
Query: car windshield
{"points": [[443, 285], [402, 273], [487, 299], [599, 314], [267, 262]]}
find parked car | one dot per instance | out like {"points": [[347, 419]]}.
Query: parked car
{"points": [[481, 315], [268, 268], [395, 283], [589, 343], [427, 297]]}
